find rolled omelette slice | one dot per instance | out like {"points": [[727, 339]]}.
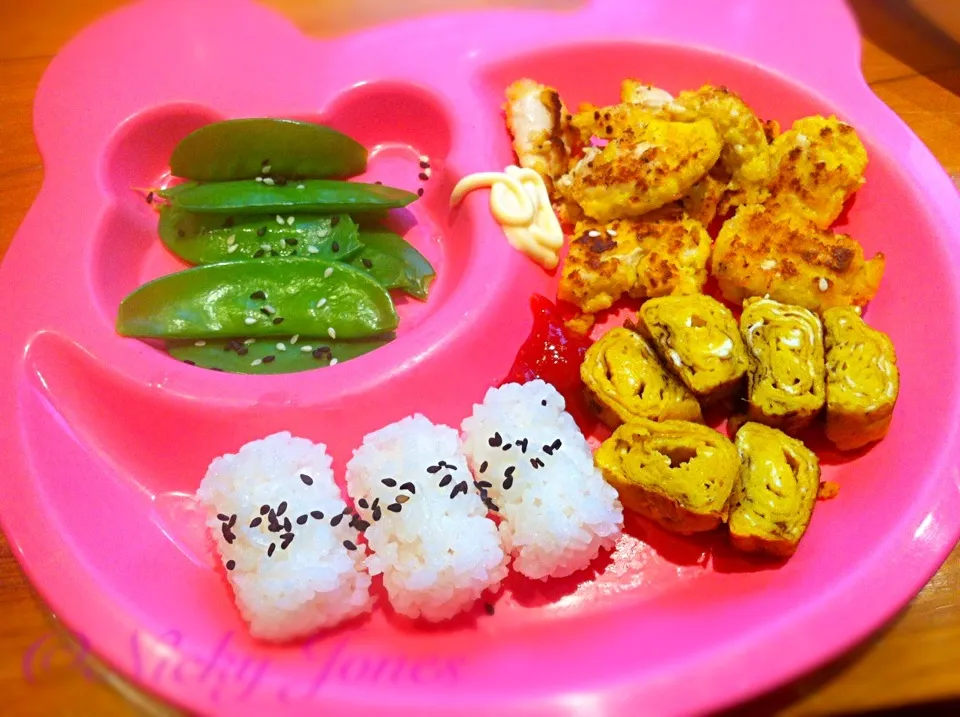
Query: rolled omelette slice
{"points": [[773, 497], [862, 380], [625, 381], [785, 381], [699, 340], [678, 473]]}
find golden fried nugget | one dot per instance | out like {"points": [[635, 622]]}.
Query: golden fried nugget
{"points": [[538, 122], [746, 152], [703, 201], [699, 340], [863, 381], [774, 250], [663, 253], [643, 170], [786, 378], [775, 493], [624, 381], [677, 473], [820, 162], [611, 122]]}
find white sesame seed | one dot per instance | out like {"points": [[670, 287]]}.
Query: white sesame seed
{"points": [[424, 158], [281, 346], [279, 220], [593, 233], [612, 232], [858, 309], [427, 171], [290, 221], [269, 309], [333, 362], [306, 349], [259, 179], [768, 264], [268, 181], [249, 321], [265, 169], [231, 239], [301, 186], [201, 342], [232, 248], [249, 341], [328, 273], [256, 362], [294, 339], [312, 250], [321, 303], [331, 333], [824, 284]]}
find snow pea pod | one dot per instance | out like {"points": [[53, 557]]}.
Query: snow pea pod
{"points": [[251, 147], [394, 263], [323, 196], [271, 355], [272, 297], [213, 238]]}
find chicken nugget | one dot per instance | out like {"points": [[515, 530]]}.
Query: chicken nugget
{"points": [[539, 124]]}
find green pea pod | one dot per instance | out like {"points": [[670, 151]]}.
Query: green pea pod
{"points": [[394, 263], [213, 238], [247, 148], [254, 356], [273, 297], [323, 196]]}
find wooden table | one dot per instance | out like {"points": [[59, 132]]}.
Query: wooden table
{"points": [[911, 58]]}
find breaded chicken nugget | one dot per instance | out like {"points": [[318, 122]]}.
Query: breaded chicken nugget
{"points": [[537, 120], [820, 162], [660, 254], [774, 249], [705, 198], [611, 122], [643, 170]]}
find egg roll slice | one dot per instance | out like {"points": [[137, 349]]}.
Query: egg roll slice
{"points": [[625, 381], [785, 381], [862, 380], [699, 340], [678, 473], [776, 490]]}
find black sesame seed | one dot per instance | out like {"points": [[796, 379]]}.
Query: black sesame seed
{"points": [[483, 467], [495, 441], [420, 192], [424, 165], [389, 482], [287, 539], [447, 465], [484, 484], [445, 481], [543, 402], [349, 545], [258, 253], [228, 222], [149, 197], [303, 519], [316, 515], [243, 351], [256, 521], [548, 450], [335, 520], [264, 509], [508, 481], [269, 359], [264, 163], [265, 312], [523, 445], [367, 263], [318, 353], [401, 499], [409, 487], [334, 220], [271, 549], [290, 241], [536, 463], [231, 565], [227, 533], [376, 513], [363, 503], [307, 480], [232, 345], [258, 295], [435, 469], [394, 507], [556, 445], [233, 521], [223, 517], [488, 608], [423, 176], [374, 503], [507, 446], [282, 508], [287, 525], [261, 231], [460, 487], [276, 321], [347, 511]]}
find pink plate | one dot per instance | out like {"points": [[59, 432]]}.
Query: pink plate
{"points": [[103, 433]]}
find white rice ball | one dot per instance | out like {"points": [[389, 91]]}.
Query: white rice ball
{"points": [[537, 467], [304, 574], [429, 531]]}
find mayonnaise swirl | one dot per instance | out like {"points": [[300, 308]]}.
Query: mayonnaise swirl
{"points": [[520, 203]]}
